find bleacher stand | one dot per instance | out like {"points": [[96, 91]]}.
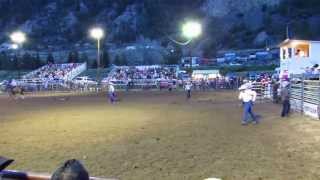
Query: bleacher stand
{"points": [[52, 72], [144, 77], [125, 73], [51, 76]]}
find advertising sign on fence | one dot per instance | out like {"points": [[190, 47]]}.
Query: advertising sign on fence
{"points": [[295, 104], [311, 110]]}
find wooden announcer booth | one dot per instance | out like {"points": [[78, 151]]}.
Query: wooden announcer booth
{"points": [[297, 55]]}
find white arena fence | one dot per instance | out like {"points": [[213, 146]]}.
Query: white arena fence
{"points": [[305, 95], [263, 90], [38, 85]]}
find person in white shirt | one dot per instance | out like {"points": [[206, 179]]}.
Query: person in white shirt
{"points": [[111, 93], [248, 97], [187, 88], [13, 83]]}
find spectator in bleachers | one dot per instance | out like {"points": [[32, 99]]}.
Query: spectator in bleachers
{"points": [[71, 170], [125, 73]]}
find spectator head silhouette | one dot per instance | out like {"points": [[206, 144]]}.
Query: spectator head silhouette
{"points": [[71, 170]]}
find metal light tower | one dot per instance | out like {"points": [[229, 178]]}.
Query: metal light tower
{"points": [[191, 30], [18, 38], [97, 33]]}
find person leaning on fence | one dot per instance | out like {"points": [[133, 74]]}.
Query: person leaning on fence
{"points": [[275, 87], [248, 97], [285, 97], [111, 93]]}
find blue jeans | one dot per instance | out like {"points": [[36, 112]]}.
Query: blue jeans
{"points": [[285, 108], [111, 97], [188, 94], [247, 111]]}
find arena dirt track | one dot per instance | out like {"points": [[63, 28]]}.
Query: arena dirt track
{"points": [[159, 135]]}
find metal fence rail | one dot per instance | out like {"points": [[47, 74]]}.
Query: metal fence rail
{"points": [[264, 91], [305, 95]]}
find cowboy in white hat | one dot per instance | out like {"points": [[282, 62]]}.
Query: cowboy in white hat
{"points": [[187, 88], [248, 97]]}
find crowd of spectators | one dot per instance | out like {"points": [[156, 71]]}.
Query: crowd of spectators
{"points": [[313, 72], [143, 73], [53, 71], [220, 82]]}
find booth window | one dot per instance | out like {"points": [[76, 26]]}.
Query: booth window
{"points": [[302, 50], [289, 52], [283, 53]]}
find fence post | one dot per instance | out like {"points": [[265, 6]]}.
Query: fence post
{"points": [[318, 93], [302, 93]]}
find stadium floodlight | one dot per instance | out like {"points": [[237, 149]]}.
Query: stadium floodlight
{"points": [[18, 37], [97, 33], [14, 46], [191, 29]]}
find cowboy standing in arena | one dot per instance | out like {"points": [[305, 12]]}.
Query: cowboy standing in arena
{"points": [[188, 89], [248, 97], [111, 93]]}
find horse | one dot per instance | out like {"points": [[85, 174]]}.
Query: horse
{"points": [[14, 91]]}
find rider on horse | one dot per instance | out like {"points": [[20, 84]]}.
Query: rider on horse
{"points": [[13, 88]]}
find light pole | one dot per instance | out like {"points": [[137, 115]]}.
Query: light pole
{"points": [[97, 33], [191, 30], [18, 38]]}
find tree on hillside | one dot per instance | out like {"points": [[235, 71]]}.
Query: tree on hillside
{"points": [[14, 63], [174, 56], [76, 56], [117, 60], [1, 62], [6, 61], [84, 58], [105, 59], [50, 58], [26, 61], [73, 57], [123, 60], [37, 61]]}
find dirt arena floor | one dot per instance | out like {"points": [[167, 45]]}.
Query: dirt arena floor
{"points": [[160, 136]]}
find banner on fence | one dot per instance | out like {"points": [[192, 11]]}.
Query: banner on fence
{"points": [[311, 110], [295, 104]]}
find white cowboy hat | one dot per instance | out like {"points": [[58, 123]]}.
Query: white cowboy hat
{"points": [[243, 87], [249, 86]]}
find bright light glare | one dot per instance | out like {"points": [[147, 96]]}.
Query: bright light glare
{"points": [[96, 33], [18, 37], [191, 30], [14, 46]]}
